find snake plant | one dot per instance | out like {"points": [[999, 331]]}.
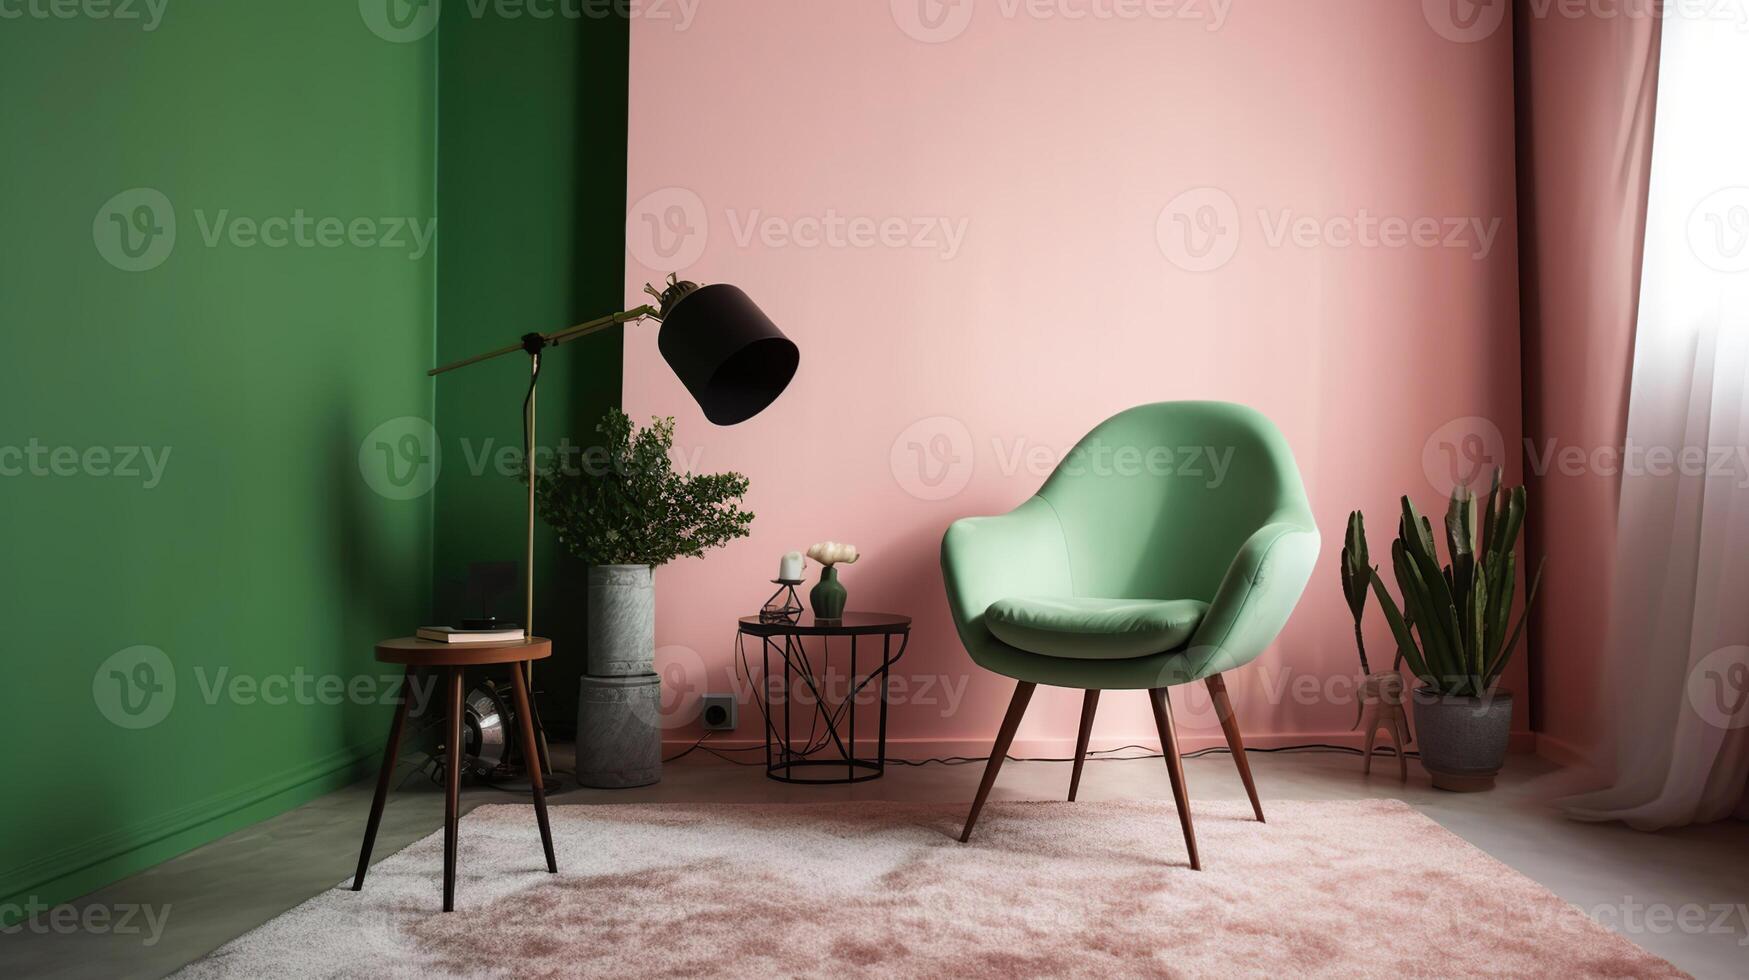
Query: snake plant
{"points": [[1453, 625]]}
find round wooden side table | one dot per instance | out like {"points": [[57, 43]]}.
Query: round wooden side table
{"points": [[446, 660]]}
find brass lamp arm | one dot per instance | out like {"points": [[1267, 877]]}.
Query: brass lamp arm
{"points": [[555, 338]]}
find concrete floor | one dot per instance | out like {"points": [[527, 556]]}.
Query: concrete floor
{"points": [[1683, 895]]}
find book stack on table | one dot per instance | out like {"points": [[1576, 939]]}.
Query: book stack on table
{"points": [[456, 634]]}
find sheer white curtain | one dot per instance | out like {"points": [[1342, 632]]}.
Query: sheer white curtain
{"points": [[1678, 662]]}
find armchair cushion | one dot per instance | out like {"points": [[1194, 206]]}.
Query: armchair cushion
{"points": [[1082, 628]]}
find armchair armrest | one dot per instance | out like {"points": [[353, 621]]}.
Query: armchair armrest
{"points": [[1255, 598], [984, 559]]}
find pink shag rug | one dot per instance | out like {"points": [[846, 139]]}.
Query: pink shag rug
{"points": [[1338, 889]]}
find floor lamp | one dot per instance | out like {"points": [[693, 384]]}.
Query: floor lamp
{"points": [[725, 350]]}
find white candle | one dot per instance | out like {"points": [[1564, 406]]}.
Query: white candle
{"points": [[789, 568]]}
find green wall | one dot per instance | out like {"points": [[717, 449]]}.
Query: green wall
{"points": [[261, 549], [531, 186], [262, 374]]}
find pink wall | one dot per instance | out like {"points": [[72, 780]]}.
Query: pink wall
{"points": [[1062, 148], [1587, 90]]}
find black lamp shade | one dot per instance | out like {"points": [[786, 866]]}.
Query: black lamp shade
{"points": [[727, 352]]}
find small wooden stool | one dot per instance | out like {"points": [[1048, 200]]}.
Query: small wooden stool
{"points": [[447, 660], [1381, 709]]}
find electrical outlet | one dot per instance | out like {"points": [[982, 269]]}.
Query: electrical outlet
{"points": [[718, 712]]}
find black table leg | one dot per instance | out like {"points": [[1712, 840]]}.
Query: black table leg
{"points": [[788, 769], [886, 666], [384, 775], [519, 690], [452, 783], [765, 700], [850, 751]]}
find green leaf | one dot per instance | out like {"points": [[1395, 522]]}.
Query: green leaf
{"points": [[1406, 647], [1356, 570], [1505, 654], [1437, 613], [1490, 514], [1356, 565], [1419, 604]]}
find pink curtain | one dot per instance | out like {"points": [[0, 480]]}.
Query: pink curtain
{"points": [[1586, 93]]}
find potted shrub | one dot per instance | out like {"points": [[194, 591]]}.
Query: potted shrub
{"points": [[1455, 632], [626, 512]]}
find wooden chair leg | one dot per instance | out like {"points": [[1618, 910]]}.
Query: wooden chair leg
{"points": [[1089, 704], [532, 762], [1174, 768], [1004, 738], [384, 776], [1236, 742], [452, 782]]}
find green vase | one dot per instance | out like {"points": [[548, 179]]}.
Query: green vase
{"points": [[827, 597]]}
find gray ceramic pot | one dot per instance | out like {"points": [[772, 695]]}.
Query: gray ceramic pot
{"points": [[1463, 739], [622, 621]]}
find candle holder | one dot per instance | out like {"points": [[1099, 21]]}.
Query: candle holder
{"points": [[784, 606]]}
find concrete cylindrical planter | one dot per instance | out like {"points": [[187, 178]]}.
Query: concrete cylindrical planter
{"points": [[619, 731], [622, 621], [1463, 739]]}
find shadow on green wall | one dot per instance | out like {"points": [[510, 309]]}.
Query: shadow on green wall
{"points": [[157, 296], [531, 189]]}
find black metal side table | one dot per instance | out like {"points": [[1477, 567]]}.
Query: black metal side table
{"points": [[812, 677]]}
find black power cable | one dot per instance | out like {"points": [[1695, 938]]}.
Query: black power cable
{"points": [[1096, 755], [815, 743]]}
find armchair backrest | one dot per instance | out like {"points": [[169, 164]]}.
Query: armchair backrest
{"points": [[1156, 501]]}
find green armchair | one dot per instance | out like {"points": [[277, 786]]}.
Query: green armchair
{"points": [[1169, 547]]}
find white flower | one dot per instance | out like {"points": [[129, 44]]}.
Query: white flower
{"points": [[833, 553]]}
